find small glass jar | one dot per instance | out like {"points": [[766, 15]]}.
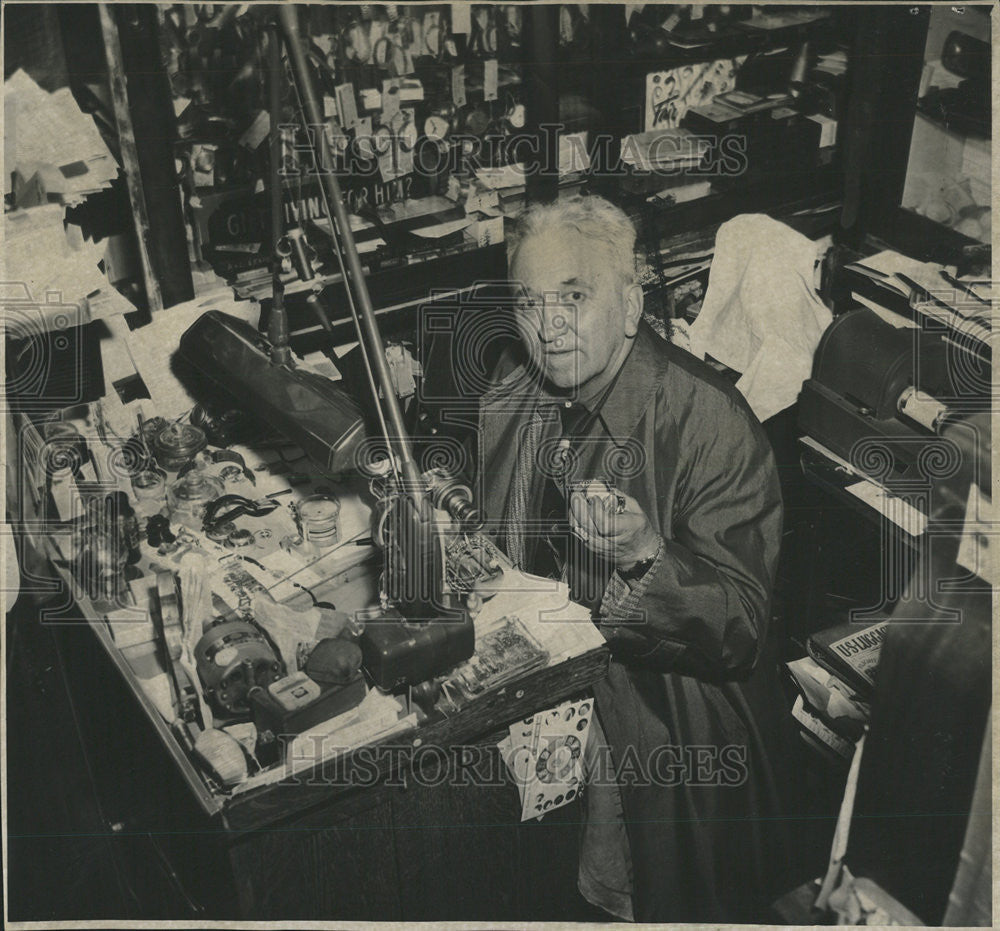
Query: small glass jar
{"points": [[320, 518], [189, 497], [177, 444], [150, 488]]}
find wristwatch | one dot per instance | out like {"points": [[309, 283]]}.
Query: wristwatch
{"points": [[638, 570]]}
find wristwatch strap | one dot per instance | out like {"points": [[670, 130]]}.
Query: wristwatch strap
{"points": [[637, 571]]}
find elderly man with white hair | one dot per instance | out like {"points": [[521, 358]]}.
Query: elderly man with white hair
{"points": [[665, 518]]}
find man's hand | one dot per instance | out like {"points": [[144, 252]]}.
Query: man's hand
{"points": [[623, 534]]}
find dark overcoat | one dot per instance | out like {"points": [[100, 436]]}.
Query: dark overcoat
{"points": [[690, 665]]}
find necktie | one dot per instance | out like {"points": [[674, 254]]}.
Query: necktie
{"points": [[562, 554]]}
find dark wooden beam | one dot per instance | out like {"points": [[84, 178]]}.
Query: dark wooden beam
{"points": [[886, 65], [541, 80], [144, 115]]}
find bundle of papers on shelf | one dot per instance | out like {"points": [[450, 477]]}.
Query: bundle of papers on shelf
{"points": [[52, 150], [931, 288], [661, 149], [573, 160]]}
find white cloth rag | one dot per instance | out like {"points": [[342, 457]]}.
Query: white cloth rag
{"points": [[761, 315]]}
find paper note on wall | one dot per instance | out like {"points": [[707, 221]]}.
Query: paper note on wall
{"points": [[346, 105], [669, 94], [461, 18], [491, 78], [458, 85]]}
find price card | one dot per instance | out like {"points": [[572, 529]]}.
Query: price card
{"points": [[458, 85], [329, 106], [490, 79], [390, 100], [257, 131], [461, 18], [347, 106]]}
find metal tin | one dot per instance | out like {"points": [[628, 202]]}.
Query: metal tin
{"points": [[177, 444]]}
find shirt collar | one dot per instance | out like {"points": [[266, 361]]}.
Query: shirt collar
{"points": [[636, 384]]}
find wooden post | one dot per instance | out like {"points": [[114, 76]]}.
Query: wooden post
{"points": [[541, 82], [139, 94]]}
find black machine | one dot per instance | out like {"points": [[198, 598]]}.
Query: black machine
{"points": [[425, 627], [878, 394], [310, 410]]}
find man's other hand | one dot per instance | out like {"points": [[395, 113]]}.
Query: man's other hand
{"points": [[623, 534]]}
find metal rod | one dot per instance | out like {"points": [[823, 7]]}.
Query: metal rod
{"points": [[277, 325], [397, 436]]}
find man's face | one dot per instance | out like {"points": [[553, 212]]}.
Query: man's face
{"points": [[573, 311]]}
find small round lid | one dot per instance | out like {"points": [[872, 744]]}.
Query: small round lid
{"points": [[319, 508]]}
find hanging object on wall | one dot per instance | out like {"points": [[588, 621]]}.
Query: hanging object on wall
{"points": [[669, 94]]}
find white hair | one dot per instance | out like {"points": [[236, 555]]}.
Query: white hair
{"points": [[592, 217]]}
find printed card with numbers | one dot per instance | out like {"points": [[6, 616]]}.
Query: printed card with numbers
{"points": [[544, 754]]}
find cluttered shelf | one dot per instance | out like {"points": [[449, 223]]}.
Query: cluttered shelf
{"points": [[953, 298], [757, 34]]}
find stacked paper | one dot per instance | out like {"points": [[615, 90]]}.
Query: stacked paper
{"points": [[573, 159], [663, 149], [52, 149], [54, 265]]}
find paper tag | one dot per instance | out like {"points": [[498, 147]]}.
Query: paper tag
{"points": [[411, 90], [329, 106], [828, 129], [347, 106], [461, 18], [458, 85], [257, 131], [371, 98], [390, 100], [490, 79]]}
